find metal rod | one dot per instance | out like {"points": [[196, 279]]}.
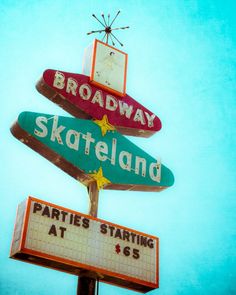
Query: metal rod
{"points": [[98, 20], [120, 28], [98, 31], [117, 39], [114, 18], [104, 19], [104, 37], [87, 280], [113, 43]]}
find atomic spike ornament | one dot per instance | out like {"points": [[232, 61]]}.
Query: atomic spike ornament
{"points": [[108, 29]]}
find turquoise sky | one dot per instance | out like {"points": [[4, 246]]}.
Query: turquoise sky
{"points": [[182, 66]]}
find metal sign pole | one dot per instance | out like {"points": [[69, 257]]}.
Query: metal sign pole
{"points": [[87, 279]]}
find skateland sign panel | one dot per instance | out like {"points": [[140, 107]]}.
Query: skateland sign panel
{"points": [[52, 236], [78, 96], [78, 147]]}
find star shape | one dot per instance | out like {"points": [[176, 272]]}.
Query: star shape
{"points": [[100, 179], [104, 125]]}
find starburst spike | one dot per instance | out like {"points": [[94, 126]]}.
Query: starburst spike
{"points": [[104, 19], [98, 20], [113, 43], [92, 32], [115, 18], [103, 37], [108, 19], [122, 28], [117, 40]]}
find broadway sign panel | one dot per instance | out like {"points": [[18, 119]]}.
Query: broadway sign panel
{"points": [[78, 147], [82, 99], [69, 241]]}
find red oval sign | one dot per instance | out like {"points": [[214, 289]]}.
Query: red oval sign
{"points": [[75, 94]]}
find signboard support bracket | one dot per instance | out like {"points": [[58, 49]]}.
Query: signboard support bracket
{"points": [[87, 280]]}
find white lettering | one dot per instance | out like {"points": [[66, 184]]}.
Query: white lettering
{"points": [[59, 79], [98, 98], [73, 145], [111, 103], [71, 86], [157, 175], [128, 156], [39, 123], [113, 151], [85, 91], [56, 130], [150, 119], [139, 116], [125, 109], [88, 139], [101, 147], [139, 161]]}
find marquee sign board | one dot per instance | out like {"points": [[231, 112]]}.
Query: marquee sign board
{"points": [[106, 66], [78, 147], [78, 96], [52, 236]]}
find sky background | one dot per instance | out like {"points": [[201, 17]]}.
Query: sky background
{"points": [[182, 62]]}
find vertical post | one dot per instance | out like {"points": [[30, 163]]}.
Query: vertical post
{"points": [[87, 280]]}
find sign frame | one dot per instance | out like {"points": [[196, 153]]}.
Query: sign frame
{"points": [[20, 252]]}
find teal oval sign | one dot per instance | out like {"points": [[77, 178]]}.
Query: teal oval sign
{"points": [[78, 147]]}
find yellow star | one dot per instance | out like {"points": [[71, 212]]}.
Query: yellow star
{"points": [[100, 179], [104, 125]]}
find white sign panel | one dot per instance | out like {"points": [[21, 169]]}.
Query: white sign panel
{"points": [[122, 256], [107, 67]]}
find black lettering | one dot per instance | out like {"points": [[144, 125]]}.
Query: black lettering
{"points": [[111, 230], [118, 233], [126, 251], [55, 213], [64, 214], [136, 254], [53, 230], [37, 207], [133, 237], [144, 241], [138, 239], [77, 220], [126, 235], [46, 211], [63, 229], [150, 243], [103, 228], [71, 218], [85, 223]]}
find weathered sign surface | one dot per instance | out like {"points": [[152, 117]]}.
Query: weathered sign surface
{"points": [[78, 147], [49, 235], [106, 66], [76, 94]]}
